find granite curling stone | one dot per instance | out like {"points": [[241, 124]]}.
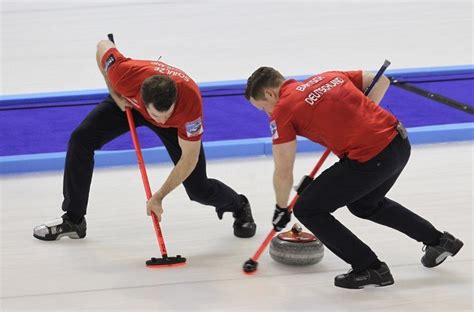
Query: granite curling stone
{"points": [[296, 247]]}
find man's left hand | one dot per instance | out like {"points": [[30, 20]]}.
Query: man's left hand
{"points": [[155, 205]]}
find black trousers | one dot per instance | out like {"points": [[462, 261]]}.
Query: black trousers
{"points": [[106, 122], [362, 188]]}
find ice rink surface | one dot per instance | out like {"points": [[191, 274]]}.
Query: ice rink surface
{"points": [[50, 46], [106, 270]]}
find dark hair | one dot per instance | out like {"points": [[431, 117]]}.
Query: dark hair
{"points": [[159, 91], [264, 77]]}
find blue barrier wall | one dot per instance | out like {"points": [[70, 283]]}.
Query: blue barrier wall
{"points": [[34, 128]]}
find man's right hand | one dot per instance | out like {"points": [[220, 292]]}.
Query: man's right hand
{"points": [[122, 102], [281, 217]]}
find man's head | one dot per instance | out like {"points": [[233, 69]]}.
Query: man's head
{"points": [[159, 95], [263, 88]]}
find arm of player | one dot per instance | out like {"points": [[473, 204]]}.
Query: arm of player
{"points": [[102, 48], [284, 158], [378, 91], [189, 157]]}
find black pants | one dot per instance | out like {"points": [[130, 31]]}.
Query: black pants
{"points": [[106, 122], [362, 188]]}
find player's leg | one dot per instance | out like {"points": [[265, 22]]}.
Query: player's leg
{"points": [[104, 123], [380, 209], [208, 191], [344, 183]]}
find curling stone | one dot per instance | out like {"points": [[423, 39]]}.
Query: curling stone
{"points": [[296, 247]]}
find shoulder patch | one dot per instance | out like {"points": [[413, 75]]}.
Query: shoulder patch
{"points": [[194, 128], [273, 129], [110, 60]]}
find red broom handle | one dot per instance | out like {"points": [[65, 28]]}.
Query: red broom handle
{"points": [[290, 207], [146, 183]]}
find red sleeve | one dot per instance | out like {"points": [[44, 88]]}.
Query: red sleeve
{"points": [[282, 128], [355, 77], [122, 72], [192, 127]]}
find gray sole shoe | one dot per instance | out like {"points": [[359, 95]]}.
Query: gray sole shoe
{"points": [[368, 278], [54, 230], [244, 225], [435, 255]]}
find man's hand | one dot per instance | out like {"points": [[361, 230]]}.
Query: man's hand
{"points": [[281, 217], [155, 205], [121, 102]]}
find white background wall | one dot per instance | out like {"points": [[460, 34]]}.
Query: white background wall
{"points": [[50, 45]]}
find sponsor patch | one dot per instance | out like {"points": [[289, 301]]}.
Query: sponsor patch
{"points": [[273, 129], [194, 128], [110, 60]]}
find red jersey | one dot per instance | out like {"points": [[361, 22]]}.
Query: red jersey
{"points": [[126, 77], [331, 109]]}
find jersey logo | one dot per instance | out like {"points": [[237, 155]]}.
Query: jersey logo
{"points": [[301, 87], [110, 60], [171, 71], [273, 129], [317, 93], [194, 128]]}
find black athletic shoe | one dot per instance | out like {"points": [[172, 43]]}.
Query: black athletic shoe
{"points": [[378, 278], [435, 255], [244, 226], [58, 228]]}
